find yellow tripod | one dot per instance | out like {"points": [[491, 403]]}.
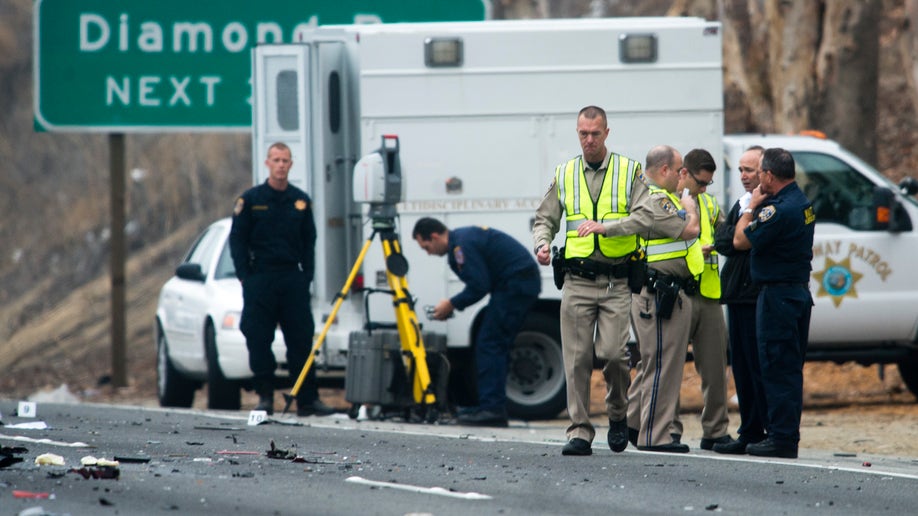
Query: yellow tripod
{"points": [[409, 330]]}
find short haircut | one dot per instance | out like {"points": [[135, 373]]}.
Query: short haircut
{"points": [[659, 156], [779, 162], [699, 159], [593, 112], [427, 226], [280, 146], [756, 147]]}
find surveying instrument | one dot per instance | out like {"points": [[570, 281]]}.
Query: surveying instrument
{"points": [[391, 374]]}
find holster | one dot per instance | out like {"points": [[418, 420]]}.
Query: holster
{"points": [[637, 271], [557, 266], [666, 295]]}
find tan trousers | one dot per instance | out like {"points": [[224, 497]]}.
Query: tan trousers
{"points": [[709, 348], [594, 317], [654, 394]]}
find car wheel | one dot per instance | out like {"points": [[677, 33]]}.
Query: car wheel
{"points": [[222, 394], [536, 388], [172, 387], [908, 370]]}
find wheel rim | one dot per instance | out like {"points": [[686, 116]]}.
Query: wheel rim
{"points": [[536, 371]]}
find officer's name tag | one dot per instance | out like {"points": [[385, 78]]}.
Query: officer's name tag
{"points": [[27, 409], [257, 417]]}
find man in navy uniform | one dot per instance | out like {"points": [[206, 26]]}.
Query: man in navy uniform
{"points": [[488, 261], [272, 242], [778, 227]]}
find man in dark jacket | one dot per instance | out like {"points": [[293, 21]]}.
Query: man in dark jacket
{"points": [[739, 294], [492, 262], [272, 243]]}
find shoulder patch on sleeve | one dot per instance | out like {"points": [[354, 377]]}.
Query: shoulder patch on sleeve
{"points": [[667, 205], [300, 204], [237, 209], [458, 256], [766, 213]]}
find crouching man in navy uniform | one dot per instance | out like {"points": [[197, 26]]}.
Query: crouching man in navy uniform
{"points": [[492, 262], [778, 227], [272, 243]]}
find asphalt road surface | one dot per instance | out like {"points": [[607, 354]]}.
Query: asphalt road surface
{"points": [[197, 462]]}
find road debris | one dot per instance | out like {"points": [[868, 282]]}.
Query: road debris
{"points": [[49, 459]]}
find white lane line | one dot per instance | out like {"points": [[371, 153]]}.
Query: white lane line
{"points": [[439, 491]]}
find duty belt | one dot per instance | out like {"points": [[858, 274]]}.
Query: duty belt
{"points": [[687, 285], [589, 269]]}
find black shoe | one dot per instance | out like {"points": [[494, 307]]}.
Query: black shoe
{"points": [[316, 408], [484, 418], [618, 435], [632, 436], [669, 448], [708, 443], [577, 446], [769, 448], [266, 403], [737, 447]]}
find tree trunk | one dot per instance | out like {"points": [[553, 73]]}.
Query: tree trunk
{"points": [[793, 40], [846, 75]]}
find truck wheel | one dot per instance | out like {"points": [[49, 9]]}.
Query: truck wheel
{"points": [[908, 370], [536, 388], [172, 387], [222, 394]]}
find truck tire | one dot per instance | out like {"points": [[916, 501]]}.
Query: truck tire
{"points": [[908, 370], [536, 387], [222, 393], [172, 387]]}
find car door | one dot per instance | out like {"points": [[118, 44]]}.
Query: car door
{"points": [[185, 301], [860, 272]]}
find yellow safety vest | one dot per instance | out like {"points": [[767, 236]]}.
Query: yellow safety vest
{"points": [[661, 249], [613, 203], [709, 284]]}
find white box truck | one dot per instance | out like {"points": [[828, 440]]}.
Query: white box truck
{"points": [[484, 111]]}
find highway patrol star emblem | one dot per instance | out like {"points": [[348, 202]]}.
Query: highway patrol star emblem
{"points": [[837, 280]]}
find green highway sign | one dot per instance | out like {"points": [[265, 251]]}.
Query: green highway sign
{"points": [[180, 65]]}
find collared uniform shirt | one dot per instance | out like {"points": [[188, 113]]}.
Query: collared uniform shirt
{"points": [[488, 260], [273, 229], [782, 238]]}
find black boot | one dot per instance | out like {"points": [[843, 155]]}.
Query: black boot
{"points": [[265, 390]]}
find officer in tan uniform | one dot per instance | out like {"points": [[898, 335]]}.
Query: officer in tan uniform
{"points": [[662, 312], [708, 333], [590, 192]]}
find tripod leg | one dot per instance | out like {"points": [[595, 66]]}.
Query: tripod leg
{"points": [[409, 329], [331, 319]]}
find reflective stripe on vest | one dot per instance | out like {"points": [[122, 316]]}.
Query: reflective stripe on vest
{"points": [[661, 249], [613, 203], [709, 284]]}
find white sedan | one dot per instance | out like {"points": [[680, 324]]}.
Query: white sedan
{"points": [[197, 327]]}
